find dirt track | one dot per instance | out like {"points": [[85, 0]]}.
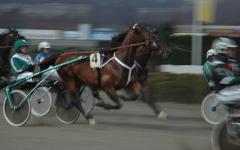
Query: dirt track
{"points": [[133, 127]]}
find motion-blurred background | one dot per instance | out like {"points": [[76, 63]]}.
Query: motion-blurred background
{"points": [[188, 26]]}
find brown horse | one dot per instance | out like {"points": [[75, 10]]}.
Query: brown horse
{"points": [[6, 43], [110, 77], [142, 56]]}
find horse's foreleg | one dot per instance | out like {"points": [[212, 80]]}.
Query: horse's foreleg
{"points": [[127, 96], [148, 98], [134, 92]]}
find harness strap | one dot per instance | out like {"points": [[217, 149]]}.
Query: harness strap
{"points": [[121, 64], [99, 77], [5, 47], [137, 64]]}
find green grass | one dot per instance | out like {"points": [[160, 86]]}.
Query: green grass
{"points": [[183, 88]]}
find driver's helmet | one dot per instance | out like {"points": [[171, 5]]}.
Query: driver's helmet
{"points": [[211, 52], [222, 44], [43, 45], [19, 43]]}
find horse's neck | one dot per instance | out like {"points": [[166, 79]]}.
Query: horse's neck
{"points": [[2, 39], [126, 55], [142, 56]]}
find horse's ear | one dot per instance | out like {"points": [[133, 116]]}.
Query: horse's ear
{"points": [[136, 27]]}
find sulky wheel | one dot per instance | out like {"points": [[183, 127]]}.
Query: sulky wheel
{"points": [[213, 112], [41, 101], [65, 113], [20, 115], [220, 139]]}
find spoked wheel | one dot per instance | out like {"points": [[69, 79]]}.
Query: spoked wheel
{"points": [[221, 140], [41, 101], [212, 114], [65, 113], [19, 116], [87, 99]]}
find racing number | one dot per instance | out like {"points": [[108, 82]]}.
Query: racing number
{"points": [[94, 58]]}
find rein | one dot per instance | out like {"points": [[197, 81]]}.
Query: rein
{"points": [[5, 46], [126, 46], [110, 50]]}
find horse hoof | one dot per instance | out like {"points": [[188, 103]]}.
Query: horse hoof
{"points": [[162, 115], [91, 121]]}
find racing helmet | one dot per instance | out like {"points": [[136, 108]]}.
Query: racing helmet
{"points": [[222, 44], [43, 45], [19, 43]]}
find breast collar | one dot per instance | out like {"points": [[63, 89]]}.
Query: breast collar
{"points": [[130, 68]]}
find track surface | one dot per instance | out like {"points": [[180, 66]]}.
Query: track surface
{"points": [[133, 127]]}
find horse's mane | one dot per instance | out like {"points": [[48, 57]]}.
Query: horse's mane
{"points": [[118, 39]]}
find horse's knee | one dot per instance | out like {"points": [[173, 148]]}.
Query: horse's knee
{"points": [[136, 89]]}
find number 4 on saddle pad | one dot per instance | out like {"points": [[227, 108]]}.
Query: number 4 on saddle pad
{"points": [[95, 60]]}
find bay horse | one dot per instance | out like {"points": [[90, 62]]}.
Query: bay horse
{"points": [[109, 77], [143, 54], [7, 41]]}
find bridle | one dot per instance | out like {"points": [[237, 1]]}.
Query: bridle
{"points": [[5, 47]]}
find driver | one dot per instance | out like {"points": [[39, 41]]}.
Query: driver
{"points": [[44, 50], [43, 57], [208, 68], [226, 70], [21, 62]]}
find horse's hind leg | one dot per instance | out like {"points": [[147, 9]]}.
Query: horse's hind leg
{"points": [[148, 98], [75, 99], [114, 97], [96, 94]]}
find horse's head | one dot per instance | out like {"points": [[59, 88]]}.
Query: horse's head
{"points": [[12, 35], [154, 41], [162, 49]]}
